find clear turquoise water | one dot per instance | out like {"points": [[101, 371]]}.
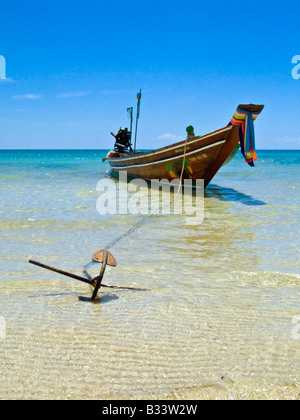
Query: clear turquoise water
{"points": [[221, 301]]}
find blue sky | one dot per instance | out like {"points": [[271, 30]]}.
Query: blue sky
{"points": [[73, 67]]}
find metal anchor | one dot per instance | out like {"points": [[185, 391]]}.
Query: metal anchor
{"points": [[106, 258], [102, 256]]}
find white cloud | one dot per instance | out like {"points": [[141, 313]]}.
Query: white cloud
{"points": [[6, 80], [168, 136], [286, 142], [28, 96], [73, 94], [115, 92]]}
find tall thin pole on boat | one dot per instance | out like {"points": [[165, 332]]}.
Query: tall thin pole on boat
{"points": [[130, 114], [139, 95]]}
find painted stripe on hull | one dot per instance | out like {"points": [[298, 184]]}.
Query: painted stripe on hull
{"points": [[166, 149], [160, 162]]}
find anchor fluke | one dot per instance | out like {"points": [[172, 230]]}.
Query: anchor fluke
{"points": [[100, 255]]}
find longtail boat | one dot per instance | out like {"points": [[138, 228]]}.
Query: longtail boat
{"points": [[196, 157]]}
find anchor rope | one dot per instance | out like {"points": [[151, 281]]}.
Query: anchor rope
{"points": [[115, 241], [182, 169], [118, 239]]}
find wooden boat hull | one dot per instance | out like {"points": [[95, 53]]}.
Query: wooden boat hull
{"points": [[195, 158]]}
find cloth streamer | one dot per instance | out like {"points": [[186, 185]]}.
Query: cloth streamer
{"points": [[245, 120]]}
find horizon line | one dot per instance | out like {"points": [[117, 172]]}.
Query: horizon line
{"points": [[80, 149]]}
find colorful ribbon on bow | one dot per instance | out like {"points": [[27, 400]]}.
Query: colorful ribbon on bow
{"points": [[245, 120]]}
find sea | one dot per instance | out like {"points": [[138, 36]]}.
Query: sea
{"points": [[199, 312]]}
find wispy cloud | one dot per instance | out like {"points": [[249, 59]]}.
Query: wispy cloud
{"points": [[115, 92], [6, 80], [168, 136], [79, 94], [28, 96], [286, 142]]}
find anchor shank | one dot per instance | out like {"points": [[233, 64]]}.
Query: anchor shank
{"points": [[99, 278], [64, 273]]}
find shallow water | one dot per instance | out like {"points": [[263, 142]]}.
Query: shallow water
{"points": [[220, 315]]}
